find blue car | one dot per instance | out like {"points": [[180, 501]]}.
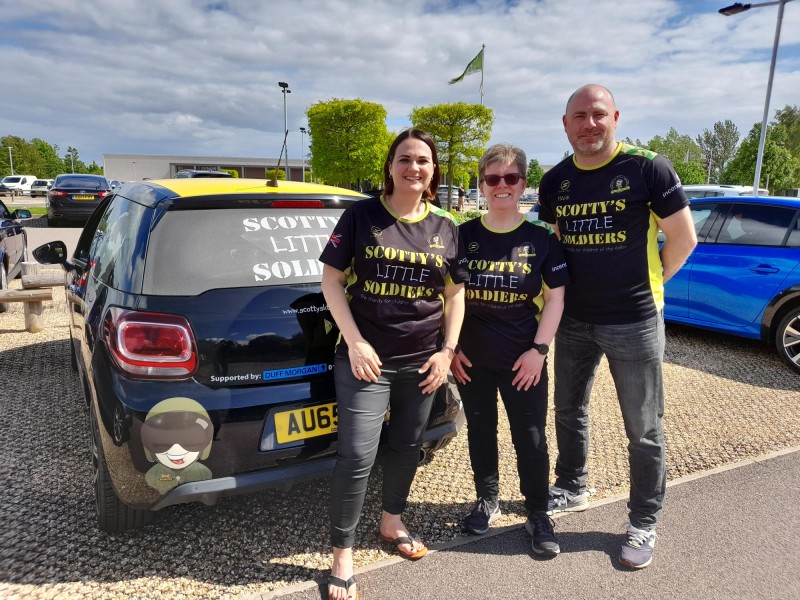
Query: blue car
{"points": [[743, 278]]}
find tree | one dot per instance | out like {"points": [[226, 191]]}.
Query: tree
{"points": [[349, 141], [50, 160], [779, 167], [788, 118], [276, 174], [535, 173], [721, 143], [461, 132], [25, 158], [676, 147], [690, 172]]}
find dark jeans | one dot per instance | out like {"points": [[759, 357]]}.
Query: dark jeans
{"points": [[527, 416], [635, 353], [361, 409]]}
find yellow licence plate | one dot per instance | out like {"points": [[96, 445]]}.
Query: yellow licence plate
{"points": [[304, 423], [79, 197]]}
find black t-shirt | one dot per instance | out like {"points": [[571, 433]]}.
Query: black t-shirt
{"points": [[606, 216], [396, 272], [507, 274]]}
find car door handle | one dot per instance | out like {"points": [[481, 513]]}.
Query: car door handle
{"points": [[764, 269]]}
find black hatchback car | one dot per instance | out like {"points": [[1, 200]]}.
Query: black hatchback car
{"points": [[204, 344], [74, 197]]}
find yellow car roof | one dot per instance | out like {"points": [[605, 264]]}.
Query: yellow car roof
{"points": [[205, 186]]}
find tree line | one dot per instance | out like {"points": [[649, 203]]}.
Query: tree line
{"points": [[37, 157], [349, 140]]}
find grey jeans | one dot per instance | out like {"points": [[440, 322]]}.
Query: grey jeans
{"points": [[635, 353], [361, 409]]}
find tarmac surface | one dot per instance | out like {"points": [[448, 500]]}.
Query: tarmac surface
{"points": [[729, 533], [725, 533]]}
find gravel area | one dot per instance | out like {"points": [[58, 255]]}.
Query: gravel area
{"points": [[727, 399]]}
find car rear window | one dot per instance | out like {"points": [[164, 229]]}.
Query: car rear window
{"points": [[192, 251], [85, 183], [39, 182]]}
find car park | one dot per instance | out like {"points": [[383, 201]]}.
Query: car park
{"points": [[442, 193], [203, 342], [743, 278], [13, 245], [73, 197], [19, 184], [712, 190], [190, 173], [40, 187]]}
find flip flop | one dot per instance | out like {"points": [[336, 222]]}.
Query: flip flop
{"points": [[409, 539], [339, 582]]}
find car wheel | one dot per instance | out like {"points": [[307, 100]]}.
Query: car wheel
{"points": [[112, 514], [3, 286], [787, 339], [53, 222]]}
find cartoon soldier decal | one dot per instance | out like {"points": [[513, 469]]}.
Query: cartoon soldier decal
{"points": [[175, 433]]}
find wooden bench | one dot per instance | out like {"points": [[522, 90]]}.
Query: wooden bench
{"points": [[37, 287]]}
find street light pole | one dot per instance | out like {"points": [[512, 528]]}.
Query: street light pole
{"points": [[735, 9], [303, 151], [285, 90], [72, 160], [133, 162], [11, 159]]}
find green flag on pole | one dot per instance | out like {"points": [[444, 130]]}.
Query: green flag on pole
{"points": [[475, 65]]}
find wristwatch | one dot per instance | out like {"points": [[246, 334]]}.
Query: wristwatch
{"points": [[454, 348], [542, 349]]}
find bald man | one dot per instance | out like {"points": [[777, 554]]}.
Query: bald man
{"points": [[607, 202]]}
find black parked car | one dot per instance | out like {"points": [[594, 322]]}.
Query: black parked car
{"points": [[204, 343], [74, 197], [13, 243]]}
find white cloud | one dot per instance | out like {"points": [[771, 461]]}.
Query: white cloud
{"points": [[194, 77]]}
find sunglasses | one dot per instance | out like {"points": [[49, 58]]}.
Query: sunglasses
{"points": [[509, 178]]}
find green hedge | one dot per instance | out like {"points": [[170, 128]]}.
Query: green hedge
{"points": [[468, 215]]}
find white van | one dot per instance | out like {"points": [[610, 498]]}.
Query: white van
{"points": [[705, 191], [19, 184]]}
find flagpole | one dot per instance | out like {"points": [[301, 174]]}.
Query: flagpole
{"points": [[483, 54]]}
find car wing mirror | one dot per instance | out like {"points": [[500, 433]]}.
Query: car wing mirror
{"points": [[52, 253], [22, 213]]}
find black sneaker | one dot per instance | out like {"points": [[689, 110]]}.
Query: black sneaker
{"points": [[540, 527], [484, 514]]}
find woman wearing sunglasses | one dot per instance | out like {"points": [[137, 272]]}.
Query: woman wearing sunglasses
{"points": [[514, 300]]}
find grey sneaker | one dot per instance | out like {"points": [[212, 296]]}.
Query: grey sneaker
{"points": [[486, 511], [562, 500], [540, 527], [637, 551]]}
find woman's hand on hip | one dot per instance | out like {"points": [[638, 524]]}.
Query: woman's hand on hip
{"points": [[436, 367], [528, 370], [458, 367], [364, 361]]}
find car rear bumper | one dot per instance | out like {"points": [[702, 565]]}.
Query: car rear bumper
{"points": [[210, 491], [71, 213]]}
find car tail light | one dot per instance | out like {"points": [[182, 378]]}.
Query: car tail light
{"points": [[56, 193], [103, 194], [150, 345], [298, 204]]}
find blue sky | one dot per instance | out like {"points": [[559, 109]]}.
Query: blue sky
{"points": [[200, 77]]}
